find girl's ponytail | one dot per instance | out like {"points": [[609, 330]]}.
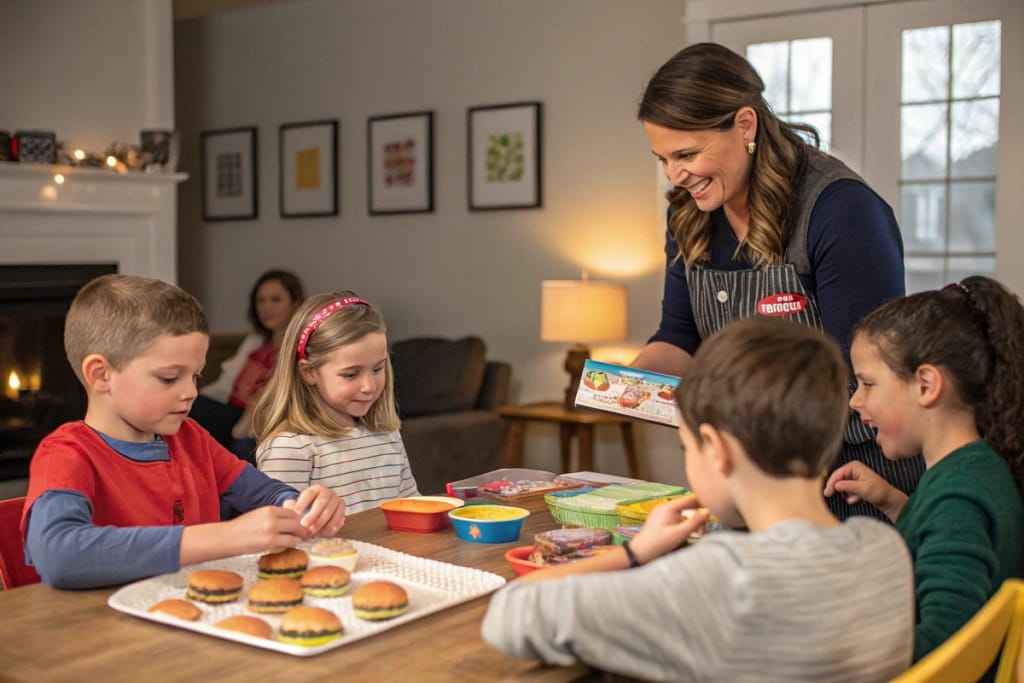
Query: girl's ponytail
{"points": [[1000, 416]]}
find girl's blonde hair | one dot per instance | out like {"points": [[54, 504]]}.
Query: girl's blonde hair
{"points": [[701, 88], [288, 404]]}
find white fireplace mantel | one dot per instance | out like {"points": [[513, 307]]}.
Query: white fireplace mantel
{"points": [[93, 216]]}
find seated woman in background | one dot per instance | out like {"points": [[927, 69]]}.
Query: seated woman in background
{"points": [[223, 407]]}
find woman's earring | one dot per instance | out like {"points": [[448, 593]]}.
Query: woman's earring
{"points": [[751, 147]]}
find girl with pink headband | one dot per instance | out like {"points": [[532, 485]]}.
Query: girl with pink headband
{"points": [[328, 415]]}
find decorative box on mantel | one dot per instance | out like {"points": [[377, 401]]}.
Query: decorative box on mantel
{"points": [[61, 214]]}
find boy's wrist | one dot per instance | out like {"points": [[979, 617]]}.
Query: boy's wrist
{"points": [[634, 561]]}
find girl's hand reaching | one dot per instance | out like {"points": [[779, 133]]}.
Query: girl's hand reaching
{"points": [[324, 510], [667, 528], [855, 481]]}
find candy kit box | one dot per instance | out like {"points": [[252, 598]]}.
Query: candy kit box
{"points": [[635, 393]]}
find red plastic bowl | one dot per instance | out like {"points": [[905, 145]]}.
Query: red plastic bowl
{"points": [[422, 515], [519, 558]]}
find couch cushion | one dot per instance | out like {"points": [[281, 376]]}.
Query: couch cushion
{"points": [[434, 375]]}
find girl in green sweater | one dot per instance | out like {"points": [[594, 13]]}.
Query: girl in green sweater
{"points": [[942, 373]]}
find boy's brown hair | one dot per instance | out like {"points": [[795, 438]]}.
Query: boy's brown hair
{"points": [[119, 316], [781, 389]]}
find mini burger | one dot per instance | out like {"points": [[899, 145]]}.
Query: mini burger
{"points": [[243, 623], [309, 626], [289, 563], [275, 595], [380, 600], [182, 609], [325, 582], [214, 586]]}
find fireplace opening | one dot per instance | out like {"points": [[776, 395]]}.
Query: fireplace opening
{"points": [[39, 389]]}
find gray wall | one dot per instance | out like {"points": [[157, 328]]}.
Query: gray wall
{"points": [[450, 272]]}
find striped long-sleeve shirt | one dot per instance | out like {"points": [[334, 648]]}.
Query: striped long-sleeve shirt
{"points": [[795, 602], [364, 468]]}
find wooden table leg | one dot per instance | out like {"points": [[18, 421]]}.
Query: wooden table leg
{"points": [[515, 442], [630, 446], [565, 432], [586, 433]]}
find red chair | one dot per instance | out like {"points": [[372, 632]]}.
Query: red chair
{"points": [[13, 570]]}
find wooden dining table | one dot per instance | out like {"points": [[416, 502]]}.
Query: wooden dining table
{"points": [[57, 635]]}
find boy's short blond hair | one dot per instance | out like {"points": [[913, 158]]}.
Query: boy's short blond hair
{"points": [[780, 388], [119, 316]]}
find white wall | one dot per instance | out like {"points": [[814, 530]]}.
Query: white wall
{"points": [[450, 272], [93, 72]]}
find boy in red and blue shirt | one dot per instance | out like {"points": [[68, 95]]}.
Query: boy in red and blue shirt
{"points": [[134, 489]]}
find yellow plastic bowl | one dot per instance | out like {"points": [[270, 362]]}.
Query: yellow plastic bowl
{"points": [[488, 523]]}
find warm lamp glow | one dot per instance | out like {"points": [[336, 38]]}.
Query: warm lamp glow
{"points": [[58, 178], [581, 311], [13, 381]]}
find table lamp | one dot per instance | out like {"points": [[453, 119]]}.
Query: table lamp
{"points": [[581, 311]]}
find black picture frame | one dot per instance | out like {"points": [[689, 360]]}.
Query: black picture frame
{"points": [[308, 169], [229, 165], [400, 163], [504, 156]]}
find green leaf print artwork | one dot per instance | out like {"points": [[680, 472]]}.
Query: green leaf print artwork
{"points": [[505, 157]]}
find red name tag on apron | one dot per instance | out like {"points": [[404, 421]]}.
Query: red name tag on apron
{"points": [[782, 304]]}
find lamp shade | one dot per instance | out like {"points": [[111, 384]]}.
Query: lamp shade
{"points": [[582, 311]]}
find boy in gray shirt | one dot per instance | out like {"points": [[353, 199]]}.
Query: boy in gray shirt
{"points": [[801, 597]]}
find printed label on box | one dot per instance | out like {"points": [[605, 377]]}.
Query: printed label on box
{"points": [[635, 393]]}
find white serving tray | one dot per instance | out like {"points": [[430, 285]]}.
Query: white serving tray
{"points": [[432, 586]]}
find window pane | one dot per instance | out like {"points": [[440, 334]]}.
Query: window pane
{"points": [[972, 224], [923, 141], [772, 61], [812, 74], [976, 59], [925, 64], [924, 273], [960, 267], [923, 217], [821, 121], [974, 138]]}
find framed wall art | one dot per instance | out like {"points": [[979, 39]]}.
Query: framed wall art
{"points": [[504, 147], [309, 169], [400, 155], [229, 174]]}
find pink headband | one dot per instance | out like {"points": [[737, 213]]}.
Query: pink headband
{"points": [[322, 315]]}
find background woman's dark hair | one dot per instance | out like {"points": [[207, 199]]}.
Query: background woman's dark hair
{"points": [[974, 331], [701, 88], [290, 281]]}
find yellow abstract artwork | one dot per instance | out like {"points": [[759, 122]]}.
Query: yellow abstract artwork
{"points": [[307, 169]]}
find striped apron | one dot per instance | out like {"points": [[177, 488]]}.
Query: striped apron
{"points": [[718, 297]]}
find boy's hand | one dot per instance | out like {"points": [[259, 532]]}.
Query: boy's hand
{"points": [[267, 529], [666, 529], [325, 511], [855, 481]]}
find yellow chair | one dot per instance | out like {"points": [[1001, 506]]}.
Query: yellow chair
{"points": [[969, 652]]}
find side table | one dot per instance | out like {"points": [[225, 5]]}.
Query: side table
{"points": [[570, 423]]}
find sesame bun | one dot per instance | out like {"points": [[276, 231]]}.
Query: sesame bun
{"points": [[325, 582], [290, 562], [182, 609], [334, 551], [214, 586], [379, 600], [309, 626], [275, 595], [250, 626]]}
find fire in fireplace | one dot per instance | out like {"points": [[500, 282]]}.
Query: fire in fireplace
{"points": [[39, 389]]}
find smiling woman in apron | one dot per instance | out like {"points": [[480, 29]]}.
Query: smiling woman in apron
{"points": [[763, 223]]}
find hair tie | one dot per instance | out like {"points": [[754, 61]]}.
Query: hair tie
{"points": [[318, 318]]}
